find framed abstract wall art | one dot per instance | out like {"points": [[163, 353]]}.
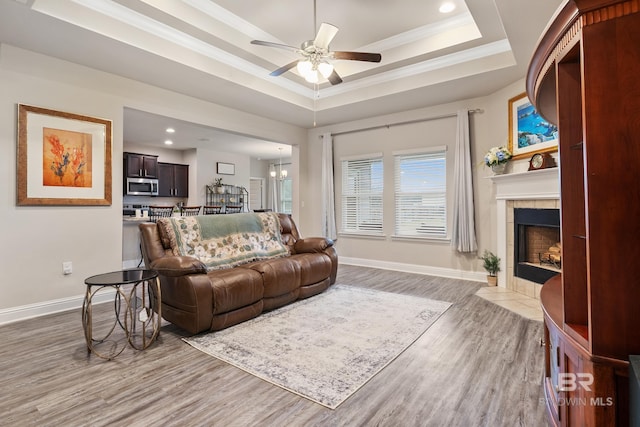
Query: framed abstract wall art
{"points": [[62, 158], [529, 132]]}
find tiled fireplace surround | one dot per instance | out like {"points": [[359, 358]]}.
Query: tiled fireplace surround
{"points": [[534, 189]]}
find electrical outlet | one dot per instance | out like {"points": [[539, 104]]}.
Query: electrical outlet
{"points": [[67, 267]]}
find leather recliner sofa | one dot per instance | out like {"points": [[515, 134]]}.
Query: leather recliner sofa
{"points": [[199, 299]]}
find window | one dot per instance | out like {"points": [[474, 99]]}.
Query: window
{"points": [[255, 193], [362, 183], [286, 195], [421, 194]]}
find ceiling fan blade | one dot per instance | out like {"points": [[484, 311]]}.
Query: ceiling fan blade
{"points": [[284, 69], [334, 78], [326, 33], [358, 56], [278, 45]]}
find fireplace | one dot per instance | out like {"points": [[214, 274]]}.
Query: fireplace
{"points": [[521, 188], [537, 246]]}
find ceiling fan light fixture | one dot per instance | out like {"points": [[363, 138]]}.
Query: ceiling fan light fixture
{"points": [[325, 69], [304, 67], [315, 54], [309, 70], [312, 76]]}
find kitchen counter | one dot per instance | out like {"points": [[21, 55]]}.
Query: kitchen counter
{"points": [[131, 254], [134, 220]]}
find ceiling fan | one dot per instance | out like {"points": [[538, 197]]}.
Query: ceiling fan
{"points": [[316, 56]]}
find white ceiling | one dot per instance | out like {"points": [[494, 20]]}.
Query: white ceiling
{"points": [[202, 48], [144, 128]]}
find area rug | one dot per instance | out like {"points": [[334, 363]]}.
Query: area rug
{"points": [[328, 346]]}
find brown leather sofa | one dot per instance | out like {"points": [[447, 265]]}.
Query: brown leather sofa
{"points": [[197, 300]]}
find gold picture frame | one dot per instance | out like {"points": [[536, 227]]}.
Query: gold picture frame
{"points": [[529, 133], [63, 159]]}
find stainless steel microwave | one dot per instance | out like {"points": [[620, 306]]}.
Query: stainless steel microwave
{"points": [[141, 187]]}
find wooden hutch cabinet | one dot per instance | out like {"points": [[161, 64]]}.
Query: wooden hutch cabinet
{"points": [[585, 77]]}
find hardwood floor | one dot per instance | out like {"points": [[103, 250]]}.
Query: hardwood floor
{"points": [[478, 365]]}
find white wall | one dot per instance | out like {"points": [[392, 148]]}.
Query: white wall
{"points": [[206, 166], [431, 133], [37, 239], [260, 168], [488, 128]]}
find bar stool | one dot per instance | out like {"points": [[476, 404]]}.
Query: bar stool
{"points": [[211, 210], [157, 212], [233, 209], [190, 210]]}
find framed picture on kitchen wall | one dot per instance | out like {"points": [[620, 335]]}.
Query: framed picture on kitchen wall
{"points": [[529, 132], [225, 168], [63, 158]]}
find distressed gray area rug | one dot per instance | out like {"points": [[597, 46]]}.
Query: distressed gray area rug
{"points": [[328, 346]]}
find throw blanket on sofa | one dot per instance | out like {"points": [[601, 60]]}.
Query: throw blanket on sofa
{"points": [[224, 241]]}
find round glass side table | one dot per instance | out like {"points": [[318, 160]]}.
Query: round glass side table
{"points": [[137, 310]]}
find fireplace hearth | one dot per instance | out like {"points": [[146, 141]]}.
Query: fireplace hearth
{"points": [[537, 246]]}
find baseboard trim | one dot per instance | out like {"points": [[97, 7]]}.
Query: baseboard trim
{"points": [[24, 312], [15, 314], [449, 273]]}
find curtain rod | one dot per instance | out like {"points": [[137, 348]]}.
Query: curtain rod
{"points": [[408, 122]]}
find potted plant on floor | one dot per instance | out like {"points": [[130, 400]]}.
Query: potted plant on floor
{"points": [[491, 263]]}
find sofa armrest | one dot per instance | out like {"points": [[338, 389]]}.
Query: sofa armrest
{"points": [[312, 244], [175, 266]]}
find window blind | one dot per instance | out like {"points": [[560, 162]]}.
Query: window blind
{"points": [[362, 185], [286, 195], [421, 194]]}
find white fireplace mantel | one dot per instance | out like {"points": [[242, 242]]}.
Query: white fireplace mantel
{"points": [[532, 185]]}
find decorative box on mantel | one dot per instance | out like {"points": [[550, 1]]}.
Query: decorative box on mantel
{"points": [[533, 189]]}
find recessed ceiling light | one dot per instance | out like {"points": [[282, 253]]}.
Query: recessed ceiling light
{"points": [[447, 7], [170, 130], [168, 142]]}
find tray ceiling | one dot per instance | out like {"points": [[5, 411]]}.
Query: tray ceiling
{"points": [[202, 48]]}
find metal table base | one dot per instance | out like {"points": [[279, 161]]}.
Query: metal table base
{"points": [[137, 310]]}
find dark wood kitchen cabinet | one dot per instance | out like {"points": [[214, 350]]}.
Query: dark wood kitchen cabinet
{"points": [[140, 165], [173, 180], [584, 78]]}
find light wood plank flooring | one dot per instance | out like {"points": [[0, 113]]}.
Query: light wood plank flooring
{"points": [[478, 365]]}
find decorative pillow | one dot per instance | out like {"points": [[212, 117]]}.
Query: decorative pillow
{"points": [[224, 241], [165, 233]]}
